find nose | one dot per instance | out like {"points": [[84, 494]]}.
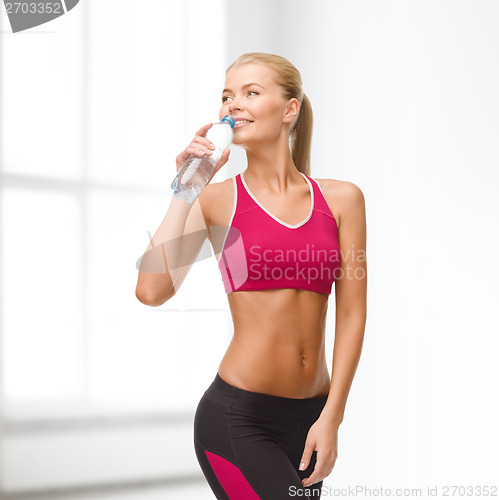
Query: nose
{"points": [[233, 105]]}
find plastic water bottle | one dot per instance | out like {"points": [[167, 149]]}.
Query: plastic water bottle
{"points": [[197, 170]]}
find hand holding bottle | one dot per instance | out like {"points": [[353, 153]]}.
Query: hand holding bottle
{"points": [[200, 146], [203, 158]]}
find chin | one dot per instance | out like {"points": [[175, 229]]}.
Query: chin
{"points": [[240, 140]]}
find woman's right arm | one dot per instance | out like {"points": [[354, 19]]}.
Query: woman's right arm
{"points": [[176, 243]]}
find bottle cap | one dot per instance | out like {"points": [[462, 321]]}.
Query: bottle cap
{"points": [[228, 119]]}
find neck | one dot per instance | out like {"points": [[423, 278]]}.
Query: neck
{"points": [[272, 167]]}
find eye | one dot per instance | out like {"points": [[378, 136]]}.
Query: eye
{"points": [[250, 92]]}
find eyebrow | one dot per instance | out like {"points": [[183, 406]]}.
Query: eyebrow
{"points": [[244, 86]]}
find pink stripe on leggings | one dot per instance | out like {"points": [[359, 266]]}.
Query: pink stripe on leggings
{"points": [[231, 478]]}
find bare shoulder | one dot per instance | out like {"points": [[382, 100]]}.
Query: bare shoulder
{"points": [[341, 196], [214, 197]]}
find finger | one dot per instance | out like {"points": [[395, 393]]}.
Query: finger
{"points": [[307, 455], [223, 160], [321, 469], [202, 144], [202, 131], [189, 150], [203, 141], [225, 156], [318, 472], [198, 149], [206, 142], [192, 148], [315, 477]]}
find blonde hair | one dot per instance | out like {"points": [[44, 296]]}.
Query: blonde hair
{"points": [[289, 79]]}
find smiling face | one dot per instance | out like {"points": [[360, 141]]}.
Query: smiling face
{"points": [[262, 102]]}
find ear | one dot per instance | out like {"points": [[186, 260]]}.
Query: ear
{"points": [[292, 110]]}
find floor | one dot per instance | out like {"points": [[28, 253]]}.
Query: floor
{"points": [[195, 490]]}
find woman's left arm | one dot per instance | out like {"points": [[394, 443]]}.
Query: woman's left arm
{"points": [[351, 313]]}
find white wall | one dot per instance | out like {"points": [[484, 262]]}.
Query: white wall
{"points": [[405, 106]]}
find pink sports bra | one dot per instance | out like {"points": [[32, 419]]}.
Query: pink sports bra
{"points": [[261, 252]]}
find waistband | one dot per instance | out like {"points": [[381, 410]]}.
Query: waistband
{"points": [[232, 397]]}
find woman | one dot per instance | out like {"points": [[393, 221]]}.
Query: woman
{"points": [[267, 425]]}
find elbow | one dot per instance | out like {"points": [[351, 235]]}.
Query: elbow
{"points": [[152, 300]]}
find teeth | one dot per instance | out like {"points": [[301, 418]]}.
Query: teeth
{"points": [[242, 121]]}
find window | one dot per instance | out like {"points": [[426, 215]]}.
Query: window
{"points": [[95, 107]]}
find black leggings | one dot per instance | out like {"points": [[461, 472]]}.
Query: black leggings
{"points": [[249, 444]]}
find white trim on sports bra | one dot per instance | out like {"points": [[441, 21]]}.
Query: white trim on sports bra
{"points": [[231, 218], [291, 226]]}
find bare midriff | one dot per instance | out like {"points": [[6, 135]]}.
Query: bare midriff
{"points": [[278, 345]]}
